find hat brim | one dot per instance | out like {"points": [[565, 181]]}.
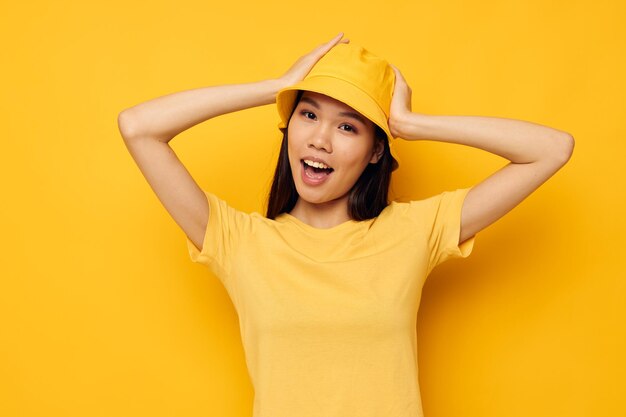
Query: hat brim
{"points": [[337, 89]]}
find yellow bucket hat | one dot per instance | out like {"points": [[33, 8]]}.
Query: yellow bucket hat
{"points": [[353, 75]]}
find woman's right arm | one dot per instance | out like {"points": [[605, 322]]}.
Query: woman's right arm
{"points": [[148, 127], [165, 117]]}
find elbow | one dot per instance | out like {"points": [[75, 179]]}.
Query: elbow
{"points": [[126, 124], [568, 144], [561, 148]]}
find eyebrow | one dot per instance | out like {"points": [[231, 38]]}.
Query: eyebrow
{"points": [[343, 113]]}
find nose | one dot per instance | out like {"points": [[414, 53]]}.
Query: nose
{"points": [[321, 138]]}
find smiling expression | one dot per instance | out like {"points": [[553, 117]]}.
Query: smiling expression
{"points": [[325, 129]]}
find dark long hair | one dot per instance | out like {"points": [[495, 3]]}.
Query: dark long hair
{"points": [[366, 199]]}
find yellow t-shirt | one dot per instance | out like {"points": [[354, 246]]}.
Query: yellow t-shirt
{"points": [[328, 316]]}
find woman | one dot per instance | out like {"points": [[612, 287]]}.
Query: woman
{"points": [[327, 284]]}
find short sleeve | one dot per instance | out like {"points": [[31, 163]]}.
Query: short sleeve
{"points": [[224, 231], [443, 212]]}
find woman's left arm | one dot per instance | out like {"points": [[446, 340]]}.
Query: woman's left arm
{"points": [[536, 153]]}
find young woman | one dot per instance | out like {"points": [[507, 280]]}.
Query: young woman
{"points": [[327, 284]]}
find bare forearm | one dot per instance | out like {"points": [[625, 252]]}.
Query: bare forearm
{"points": [[516, 140], [165, 117]]}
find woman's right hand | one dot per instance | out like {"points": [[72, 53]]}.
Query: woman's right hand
{"points": [[305, 63]]}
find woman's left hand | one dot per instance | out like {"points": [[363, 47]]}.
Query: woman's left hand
{"points": [[400, 103]]}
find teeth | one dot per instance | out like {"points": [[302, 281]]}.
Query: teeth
{"points": [[316, 164]]}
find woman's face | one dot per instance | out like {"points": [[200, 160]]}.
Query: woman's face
{"points": [[325, 129]]}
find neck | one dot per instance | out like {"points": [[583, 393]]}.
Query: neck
{"points": [[322, 215]]}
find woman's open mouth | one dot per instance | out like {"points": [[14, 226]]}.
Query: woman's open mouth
{"points": [[312, 175]]}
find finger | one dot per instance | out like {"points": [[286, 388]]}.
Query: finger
{"points": [[324, 48], [339, 35], [398, 73], [333, 40], [337, 39]]}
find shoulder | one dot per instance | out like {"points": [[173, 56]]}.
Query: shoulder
{"points": [[424, 208]]}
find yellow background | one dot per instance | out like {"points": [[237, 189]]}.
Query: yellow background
{"points": [[103, 314]]}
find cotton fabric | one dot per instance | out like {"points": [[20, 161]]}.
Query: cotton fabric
{"points": [[328, 316]]}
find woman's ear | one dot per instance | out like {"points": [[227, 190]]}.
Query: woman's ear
{"points": [[379, 150]]}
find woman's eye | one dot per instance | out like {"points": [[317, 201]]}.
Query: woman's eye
{"points": [[305, 113], [351, 128]]}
